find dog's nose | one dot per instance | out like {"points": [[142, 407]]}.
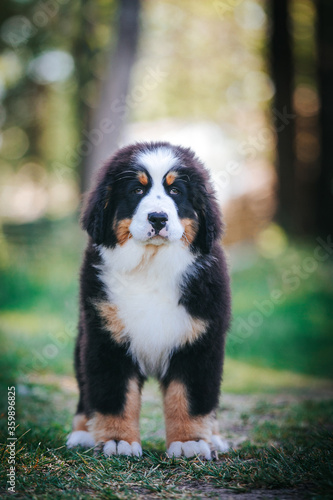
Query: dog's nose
{"points": [[158, 220]]}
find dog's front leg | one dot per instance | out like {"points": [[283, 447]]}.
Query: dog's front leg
{"points": [[186, 434], [119, 434], [191, 390]]}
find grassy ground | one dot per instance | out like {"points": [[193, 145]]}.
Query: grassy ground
{"points": [[277, 404], [281, 446]]}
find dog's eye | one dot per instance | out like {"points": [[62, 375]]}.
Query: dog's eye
{"points": [[138, 191], [174, 191]]}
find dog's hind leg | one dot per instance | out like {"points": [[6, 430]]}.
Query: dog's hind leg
{"points": [[80, 436]]}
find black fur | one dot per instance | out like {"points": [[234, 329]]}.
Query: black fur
{"points": [[205, 295], [104, 367]]}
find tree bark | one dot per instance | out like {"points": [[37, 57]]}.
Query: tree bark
{"points": [[103, 136], [83, 54], [324, 212], [282, 71]]}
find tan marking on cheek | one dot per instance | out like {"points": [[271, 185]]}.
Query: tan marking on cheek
{"points": [[143, 179], [180, 425], [112, 322], [122, 231], [191, 227], [80, 422], [171, 177], [124, 426]]}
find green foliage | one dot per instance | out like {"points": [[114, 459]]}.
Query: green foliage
{"points": [[39, 297], [294, 332], [40, 98], [45, 116]]}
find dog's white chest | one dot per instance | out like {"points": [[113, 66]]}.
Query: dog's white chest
{"points": [[143, 283]]}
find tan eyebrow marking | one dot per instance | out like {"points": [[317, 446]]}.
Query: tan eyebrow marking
{"points": [[171, 177], [143, 179]]}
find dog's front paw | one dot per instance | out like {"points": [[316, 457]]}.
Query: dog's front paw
{"points": [[189, 449], [220, 444], [80, 438], [122, 448]]}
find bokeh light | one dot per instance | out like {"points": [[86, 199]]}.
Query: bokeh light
{"points": [[16, 31], [51, 66]]}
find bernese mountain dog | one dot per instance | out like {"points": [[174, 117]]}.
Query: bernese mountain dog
{"points": [[154, 301]]}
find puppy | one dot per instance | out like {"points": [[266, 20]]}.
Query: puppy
{"points": [[154, 301]]}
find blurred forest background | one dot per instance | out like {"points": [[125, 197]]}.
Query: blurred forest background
{"points": [[248, 85]]}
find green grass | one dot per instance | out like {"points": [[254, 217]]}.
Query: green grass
{"points": [[287, 444], [39, 297], [276, 408], [294, 334]]}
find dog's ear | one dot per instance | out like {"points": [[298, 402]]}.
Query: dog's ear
{"points": [[97, 213], [209, 215]]}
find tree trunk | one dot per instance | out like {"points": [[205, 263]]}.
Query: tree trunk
{"points": [[103, 136], [83, 54], [282, 73], [324, 212]]}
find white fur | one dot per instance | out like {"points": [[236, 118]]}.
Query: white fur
{"points": [[136, 449], [189, 449], [146, 293], [219, 444], [110, 448], [158, 162], [122, 448], [175, 449], [80, 438]]}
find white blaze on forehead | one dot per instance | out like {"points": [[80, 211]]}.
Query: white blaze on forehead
{"points": [[158, 162]]}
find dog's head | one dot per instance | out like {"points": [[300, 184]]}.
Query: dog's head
{"points": [[155, 193]]}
